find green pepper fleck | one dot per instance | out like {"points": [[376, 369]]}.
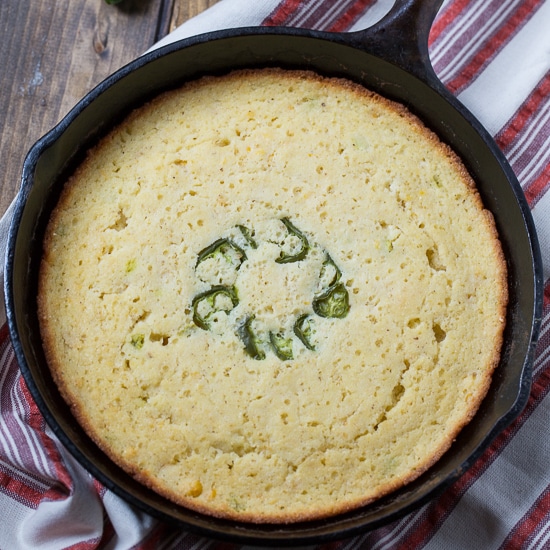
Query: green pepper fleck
{"points": [[304, 330], [236, 503], [210, 297], [282, 345], [131, 265], [137, 340], [250, 339], [333, 302], [285, 258]]}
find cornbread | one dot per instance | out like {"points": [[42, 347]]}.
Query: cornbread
{"points": [[272, 296]]}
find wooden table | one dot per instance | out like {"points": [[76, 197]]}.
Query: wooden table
{"points": [[52, 52]]}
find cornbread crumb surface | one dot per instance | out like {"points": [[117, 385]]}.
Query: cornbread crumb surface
{"points": [[272, 296]]}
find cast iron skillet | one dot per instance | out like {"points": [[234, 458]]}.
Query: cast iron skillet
{"points": [[391, 58]]}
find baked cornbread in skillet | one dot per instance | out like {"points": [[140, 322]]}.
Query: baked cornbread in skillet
{"points": [[272, 296]]}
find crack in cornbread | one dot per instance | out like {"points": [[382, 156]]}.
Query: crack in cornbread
{"points": [[217, 381]]}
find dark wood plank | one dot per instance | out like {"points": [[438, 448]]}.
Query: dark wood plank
{"points": [[182, 10], [53, 52]]}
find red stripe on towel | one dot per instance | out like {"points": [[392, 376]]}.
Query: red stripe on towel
{"points": [[446, 18], [281, 13], [535, 522], [533, 103], [356, 10], [493, 44]]}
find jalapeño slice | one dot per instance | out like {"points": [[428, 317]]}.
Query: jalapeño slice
{"points": [[250, 339], [282, 345], [333, 302], [225, 249], [248, 236], [304, 330], [286, 258], [218, 298], [330, 271]]}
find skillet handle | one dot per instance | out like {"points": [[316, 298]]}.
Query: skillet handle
{"points": [[401, 37]]}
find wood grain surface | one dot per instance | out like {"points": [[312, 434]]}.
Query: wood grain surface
{"points": [[53, 52]]}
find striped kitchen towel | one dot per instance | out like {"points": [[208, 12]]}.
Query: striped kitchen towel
{"points": [[494, 55]]}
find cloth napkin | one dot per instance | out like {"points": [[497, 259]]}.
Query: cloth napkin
{"points": [[495, 56]]}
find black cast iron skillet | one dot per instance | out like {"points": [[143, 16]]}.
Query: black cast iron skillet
{"points": [[391, 58]]}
